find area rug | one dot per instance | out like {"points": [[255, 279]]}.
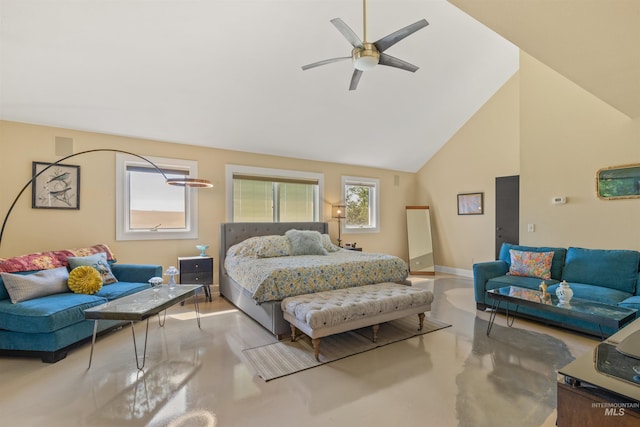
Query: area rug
{"points": [[283, 358]]}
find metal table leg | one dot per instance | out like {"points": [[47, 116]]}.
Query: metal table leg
{"points": [[494, 310], [135, 347], [195, 303], [93, 342], [495, 305]]}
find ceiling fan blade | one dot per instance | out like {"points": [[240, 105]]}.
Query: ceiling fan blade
{"points": [[393, 38], [347, 32], [355, 79], [324, 62], [391, 61]]}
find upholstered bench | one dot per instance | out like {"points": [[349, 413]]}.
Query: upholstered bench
{"points": [[326, 313]]}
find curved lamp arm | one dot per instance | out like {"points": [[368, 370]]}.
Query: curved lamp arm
{"points": [[180, 182]]}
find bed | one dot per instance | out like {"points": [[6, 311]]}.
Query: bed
{"points": [[261, 300]]}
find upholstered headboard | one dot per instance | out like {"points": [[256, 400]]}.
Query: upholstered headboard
{"points": [[232, 233]]}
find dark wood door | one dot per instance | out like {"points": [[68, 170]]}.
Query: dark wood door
{"points": [[507, 211]]}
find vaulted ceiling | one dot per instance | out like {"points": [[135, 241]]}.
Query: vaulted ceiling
{"points": [[227, 74], [594, 43]]}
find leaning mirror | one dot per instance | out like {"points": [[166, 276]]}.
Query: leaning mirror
{"points": [[419, 237], [618, 182]]}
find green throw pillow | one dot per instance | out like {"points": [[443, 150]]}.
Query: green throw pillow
{"points": [[305, 242]]}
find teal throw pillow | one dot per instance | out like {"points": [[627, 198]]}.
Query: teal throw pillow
{"points": [[97, 261]]}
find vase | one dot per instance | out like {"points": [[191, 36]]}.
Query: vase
{"points": [[564, 293], [172, 272]]}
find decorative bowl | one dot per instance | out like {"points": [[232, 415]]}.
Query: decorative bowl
{"points": [[202, 248]]}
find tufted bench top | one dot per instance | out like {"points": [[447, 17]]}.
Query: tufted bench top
{"points": [[331, 308]]}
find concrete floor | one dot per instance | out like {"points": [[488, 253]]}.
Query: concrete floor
{"points": [[197, 377]]}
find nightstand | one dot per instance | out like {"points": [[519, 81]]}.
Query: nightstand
{"points": [[197, 270]]}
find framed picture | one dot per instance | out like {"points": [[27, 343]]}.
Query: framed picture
{"points": [[471, 204], [57, 187]]}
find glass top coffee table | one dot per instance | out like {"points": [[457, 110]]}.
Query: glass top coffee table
{"points": [[141, 306], [603, 314]]}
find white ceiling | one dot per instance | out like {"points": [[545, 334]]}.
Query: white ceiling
{"points": [[227, 74]]}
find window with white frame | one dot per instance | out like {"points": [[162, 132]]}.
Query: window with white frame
{"points": [[149, 209], [257, 194], [362, 204]]}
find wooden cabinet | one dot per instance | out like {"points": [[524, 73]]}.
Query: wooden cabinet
{"points": [[197, 270], [591, 406]]}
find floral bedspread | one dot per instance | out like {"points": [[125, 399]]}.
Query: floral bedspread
{"points": [[272, 279]]}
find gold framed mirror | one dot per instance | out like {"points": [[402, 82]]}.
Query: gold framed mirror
{"points": [[421, 259], [618, 182]]}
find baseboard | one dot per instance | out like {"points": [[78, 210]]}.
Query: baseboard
{"points": [[456, 271]]}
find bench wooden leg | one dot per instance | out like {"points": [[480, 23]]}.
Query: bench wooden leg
{"points": [[316, 348], [421, 320], [293, 332], [375, 328]]}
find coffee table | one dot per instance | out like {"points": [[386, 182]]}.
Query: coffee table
{"points": [[604, 314], [141, 306]]}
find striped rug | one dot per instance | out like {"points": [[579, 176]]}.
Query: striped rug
{"points": [[283, 358]]}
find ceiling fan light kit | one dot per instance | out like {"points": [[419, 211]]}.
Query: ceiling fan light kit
{"points": [[365, 56]]}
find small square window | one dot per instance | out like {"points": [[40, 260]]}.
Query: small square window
{"points": [[361, 199], [149, 209]]}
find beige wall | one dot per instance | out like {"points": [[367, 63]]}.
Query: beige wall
{"points": [[567, 134], [486, 147], [30, 230], [555, 136]]}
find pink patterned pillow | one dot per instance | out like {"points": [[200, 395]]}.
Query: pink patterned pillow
{"points": [[51, 259], [532, 264]]}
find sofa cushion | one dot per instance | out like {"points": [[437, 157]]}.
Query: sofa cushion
{"points": [[615, 269], [46, 314], [594, 293], [121, 289], [531, 264], [556, 263], [97, 261], [23, 287], [632, 302]]}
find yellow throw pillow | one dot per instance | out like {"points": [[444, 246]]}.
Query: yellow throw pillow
{"points": [[85, 280]]}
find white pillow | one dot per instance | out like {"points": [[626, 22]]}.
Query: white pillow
{"points": [[23, 287]]}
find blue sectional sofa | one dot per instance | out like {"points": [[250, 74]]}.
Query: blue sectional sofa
{"points": [[603, 275], [49, 326]]}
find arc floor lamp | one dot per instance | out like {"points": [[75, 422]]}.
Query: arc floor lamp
{"points": [[179, 182]]}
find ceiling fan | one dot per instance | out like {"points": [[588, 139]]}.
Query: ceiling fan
{"points": [[367, 55]]}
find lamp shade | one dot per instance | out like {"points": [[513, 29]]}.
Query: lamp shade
{"points": [[338, 211]]}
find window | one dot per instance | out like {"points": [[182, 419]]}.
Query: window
{"points": [[272, 195], [361, 198], [146, 207]]}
